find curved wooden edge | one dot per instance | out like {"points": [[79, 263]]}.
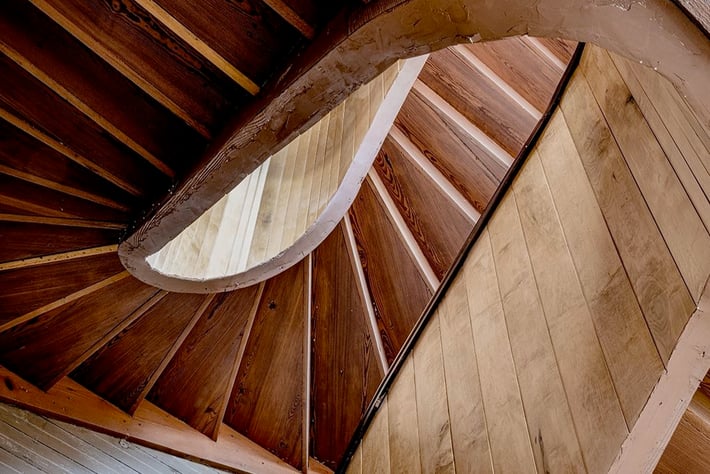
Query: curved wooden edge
{"points": [[367, 39], [333, 213]]}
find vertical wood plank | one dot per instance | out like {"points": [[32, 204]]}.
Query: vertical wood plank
{"points": [[355, 465], [402, 422], [593, 401], [375, 444], [507, 428], [551, 429]]}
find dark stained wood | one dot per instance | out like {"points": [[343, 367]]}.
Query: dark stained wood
{"points": [[399, 293], [24, 240], [561, 48], [705, 385], [249, 35], [121, 370], [194, 386], [47, 47], [345, 370], [163, 65], [26, 289], [522, 68], [436, 222], [21, 197], [28, 99], [24, 157], [468, 167], [266, 404], [498, 116], [46, 348]]}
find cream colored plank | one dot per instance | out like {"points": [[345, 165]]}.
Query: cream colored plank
{"points": [[435, 448], [314, 208], [550, 426], [259, 247], [348, 145], [375, 444], [251, 219], [659, 288], [215, 217], [468, 422], [682, 229], [631, 356], [311, 159], [402, 422], [654, 111], [376, 96], [511, 450], [333, 151], [593, 401], [295, 194], [279, 218], [355, 466]]}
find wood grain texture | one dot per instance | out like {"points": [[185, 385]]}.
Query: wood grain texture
{"points": [[657, 283], [375, 446], [398, 291], [435, 448], [402, 425], [550, 425], [203, 365], [121, 370], [46, 348], [26, 289], [462, 86], [683, 231], [424, 207], [345, 369], [687, 451], [510, 444], [266, 402], [632, 358], [590, 392]]}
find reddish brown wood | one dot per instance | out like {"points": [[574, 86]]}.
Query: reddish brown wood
{"points": [[561, 48], [705, 385], [464, 163], [266, 404], [26, 98], [498, 116], [45, 349], [26, 289], [56, 53], [24, 240], [345, 370], [194, 385], [398, 291], [120, 371], [438, 225]]}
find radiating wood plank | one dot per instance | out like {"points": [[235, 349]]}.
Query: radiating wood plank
{"points": [[630, 354], [469, 435], [402, 426], [266, 402], [435, 448], [346, 371], [398, 292], [594, 404], [375, 443], [150, 425], [46, 348], [26, 289], [687, 451], [424, 207], [507, 429], [203, 364], [121, 370], [550, 426], [683, 231], [659, 287]]}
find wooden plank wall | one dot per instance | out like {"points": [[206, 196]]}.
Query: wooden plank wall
{"points": [[545, 348], [32, 444]]}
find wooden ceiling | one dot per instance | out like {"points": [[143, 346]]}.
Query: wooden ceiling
{"points": [[95, 131]]}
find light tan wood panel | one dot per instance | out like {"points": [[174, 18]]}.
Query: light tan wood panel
{"points": [[402, 423], [375, 445]]}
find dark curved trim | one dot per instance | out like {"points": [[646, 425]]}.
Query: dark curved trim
{"points": [[430, 309]]}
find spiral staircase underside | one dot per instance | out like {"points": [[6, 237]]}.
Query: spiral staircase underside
{"points": [[273, 377]]}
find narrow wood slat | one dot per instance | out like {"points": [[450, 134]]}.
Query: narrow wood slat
{"points": [[402, 426], [375, 443], [60, 221], [398, 292], [630, 354], [345, 368], [508, 437], [659, 287], [435, 448], [203, 364], [120, 371], [294, 19], [355, 464], [594, 403], [549, 421], [266, 402], [44, 349], [60, 257]]}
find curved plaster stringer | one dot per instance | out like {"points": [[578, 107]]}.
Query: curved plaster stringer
{"points": [[286, 207]]}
